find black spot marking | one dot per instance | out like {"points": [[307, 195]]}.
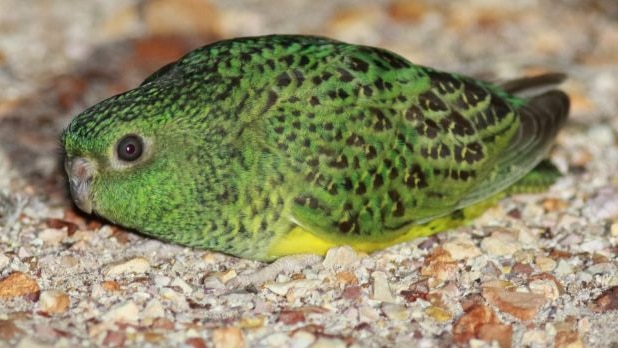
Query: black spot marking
{"points": [[444, 150], [270, 100], [358, 64], [371, 152], [355, 140], [458, 124], [470, 153], [283, 80], [393, 174], [304, 60], [444, 83], [474, 94], [341, 162], [344, 75], [288, 60], [382, 121], [307, 201], [414, 114], [428, 128], [299, 76], [367, 91], [347, 184], [378, 181], [400, 210], [361, 188], [430, 101], [415, 178], [314, 101]]}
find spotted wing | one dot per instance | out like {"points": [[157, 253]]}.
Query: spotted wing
{"points": [[372, 143]]}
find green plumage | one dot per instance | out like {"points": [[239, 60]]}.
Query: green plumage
{"points": [[248, 138]]}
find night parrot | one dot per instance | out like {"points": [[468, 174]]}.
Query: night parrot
{"points": [[263, 147]]}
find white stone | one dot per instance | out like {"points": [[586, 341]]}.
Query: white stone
{"points": [[126, 312], [154, 309], [186, 288], [461, 248], [302, 339], [381, 288], [340, 258], [4, 261], [134, 265], [563, 268], [53, 236]]}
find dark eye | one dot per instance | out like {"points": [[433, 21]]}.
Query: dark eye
{"points": [[130, 148]]}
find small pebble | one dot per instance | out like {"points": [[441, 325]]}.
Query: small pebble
{"points": [[53, 236], [545, 264], [186, 288], [522, 305], [134, 265], [18, 284], [53, 301], [381, 288], [228, 337], [563, 268], [126, 312], [154, 309], [4, 261], [339, 258], [545, 287], [461, 248], [395, 311], [302, 339], [501, 242]]}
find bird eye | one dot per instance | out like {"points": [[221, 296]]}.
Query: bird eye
{"points": [[130, 148]]}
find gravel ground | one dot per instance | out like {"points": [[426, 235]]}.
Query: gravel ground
{"points": [[536, 270]]}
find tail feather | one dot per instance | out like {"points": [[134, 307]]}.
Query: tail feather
{"points": [[541, 118]]}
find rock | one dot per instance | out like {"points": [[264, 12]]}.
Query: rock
{"points": [[18, 284], [461, 248], [501, 242], [368, 314], [180, 283], [283, 288], [501, 333], [291, 317], [545, 287], [346, 278], [564, 268], [328, 342], [4, 261], [395, 311], [53, 301], [340, 258], [126, 312], [440, 266], [469, 324], [228, 337], [545, 264], [438, 314], [607, 301], [351, 292], [522, 305], [154, 309], [381, 288], [8, 330], [53, 236], [302, 339], [134, 265]]}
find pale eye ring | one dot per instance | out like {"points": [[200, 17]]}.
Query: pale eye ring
{"points": [[130, 148]]}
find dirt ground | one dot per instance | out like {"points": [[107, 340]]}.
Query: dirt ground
{"points": [[536, 270]]}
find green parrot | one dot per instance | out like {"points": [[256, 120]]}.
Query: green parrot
{"points": [[263, 147]]}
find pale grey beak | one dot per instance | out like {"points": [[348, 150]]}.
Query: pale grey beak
{"points": [[80, 172]]}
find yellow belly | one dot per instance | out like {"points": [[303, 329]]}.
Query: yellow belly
{"points": [[300, 241]]}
